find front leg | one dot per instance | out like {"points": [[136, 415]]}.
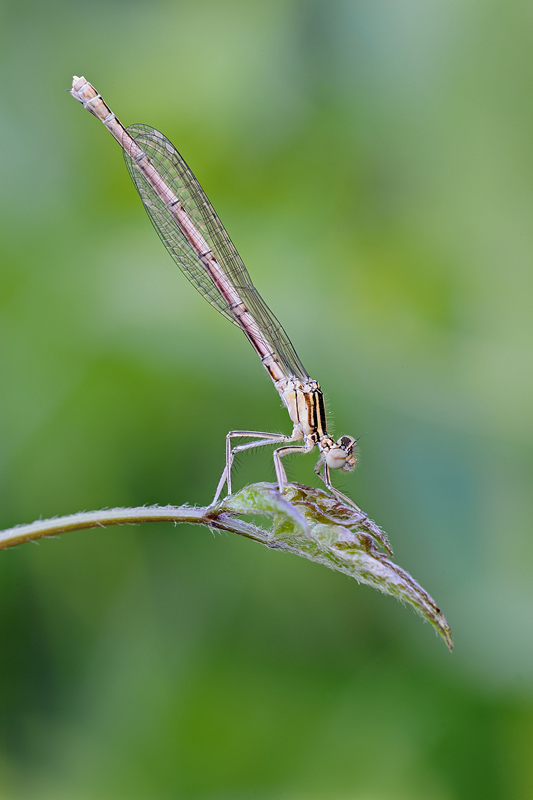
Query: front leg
{"points": [[323, 472]]}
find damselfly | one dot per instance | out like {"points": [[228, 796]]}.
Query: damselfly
{"points": [[199, 244]]}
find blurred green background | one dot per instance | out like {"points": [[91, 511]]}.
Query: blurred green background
{"points": [[373, 163]]}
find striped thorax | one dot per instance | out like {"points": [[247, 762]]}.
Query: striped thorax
{"points": [[305, 403]]}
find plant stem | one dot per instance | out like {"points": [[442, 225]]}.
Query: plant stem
{"points": [[213, 517]]}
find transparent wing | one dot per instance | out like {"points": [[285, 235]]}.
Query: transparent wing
{"points": [[177, 175]]}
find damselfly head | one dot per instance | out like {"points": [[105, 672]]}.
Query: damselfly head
{"points": [[341, 454]]}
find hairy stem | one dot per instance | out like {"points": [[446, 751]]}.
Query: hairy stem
{"points": [[213, 517]]}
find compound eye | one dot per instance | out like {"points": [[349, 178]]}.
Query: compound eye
{"points": [[347, 444]]}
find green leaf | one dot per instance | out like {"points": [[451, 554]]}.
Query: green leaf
{"points": [[313, 524]]}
